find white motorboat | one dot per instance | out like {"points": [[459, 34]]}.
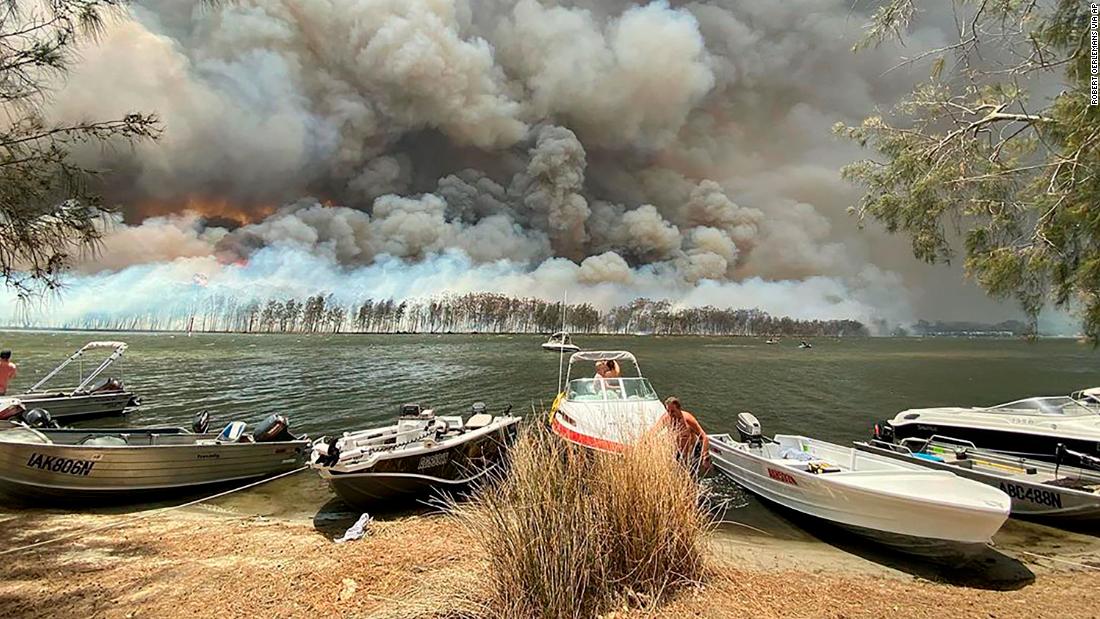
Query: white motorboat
{"points": [[1052, 492], [1031, 427], [903, 505], [419, 454], [560, 342], [90, 397], [606, 414]]}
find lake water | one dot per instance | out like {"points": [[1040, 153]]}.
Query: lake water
{"points": [[328, 384]]}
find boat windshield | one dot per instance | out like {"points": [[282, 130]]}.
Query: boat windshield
{"points": [[592, 389], [1055, 405]]}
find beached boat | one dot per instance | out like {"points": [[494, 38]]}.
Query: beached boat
{"points": [[91, 397], [1038, 489], [422, 453], [935, 514], [123, 464], [1031, 427], [560, 342], [605, 413]]}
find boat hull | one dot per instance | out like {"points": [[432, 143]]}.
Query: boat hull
{"points": [[450, 469], [929, 529], [68, 408], [1029, 499], [33, 473]]}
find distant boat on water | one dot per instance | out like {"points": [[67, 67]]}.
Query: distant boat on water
{"points": [[560, 342], [771, 340], [805, 344]]}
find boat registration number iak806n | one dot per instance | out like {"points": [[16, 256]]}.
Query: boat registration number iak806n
{"points": [[54, 464]]}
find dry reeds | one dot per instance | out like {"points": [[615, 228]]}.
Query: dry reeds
{"points": [[570, 532]]}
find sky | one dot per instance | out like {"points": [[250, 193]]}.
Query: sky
{"points": [[403, 148]]}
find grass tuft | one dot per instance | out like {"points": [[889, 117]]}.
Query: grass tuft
{"points": [[571, 533]]}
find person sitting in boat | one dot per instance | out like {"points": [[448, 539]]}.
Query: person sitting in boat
{"points": [[8, 370], [692, 444]]}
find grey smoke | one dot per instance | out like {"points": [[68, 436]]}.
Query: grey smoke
{"points": [[685, 143]]}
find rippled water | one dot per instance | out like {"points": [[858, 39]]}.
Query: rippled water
{"points": [[327, 384], [332, 383]]}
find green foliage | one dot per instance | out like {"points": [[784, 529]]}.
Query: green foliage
{"points": [[48, 207], [969, 154]]}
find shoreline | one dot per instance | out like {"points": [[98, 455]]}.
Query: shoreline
{"points": [[422, 565]]}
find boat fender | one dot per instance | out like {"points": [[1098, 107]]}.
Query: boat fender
{"points": [[201, 423], [39, 418], [553, 407]]}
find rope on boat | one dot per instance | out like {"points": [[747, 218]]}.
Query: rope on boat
{"points": [[151, 513]]}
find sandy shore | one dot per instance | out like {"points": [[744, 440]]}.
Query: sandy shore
{"points": [[206, 560]]}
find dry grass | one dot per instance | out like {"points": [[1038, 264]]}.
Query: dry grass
{"points": [[569, 532]]}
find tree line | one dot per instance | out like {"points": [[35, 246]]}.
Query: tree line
{"points": [[469, 313]]}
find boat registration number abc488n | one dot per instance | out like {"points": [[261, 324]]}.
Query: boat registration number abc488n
{"points": [[1034, 495], [54, 464]]}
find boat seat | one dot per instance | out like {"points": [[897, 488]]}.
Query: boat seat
{"points": [[479, 421], [232, 432]]}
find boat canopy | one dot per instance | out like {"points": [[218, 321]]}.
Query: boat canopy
{"points": [[118, 347], [603, 355]]}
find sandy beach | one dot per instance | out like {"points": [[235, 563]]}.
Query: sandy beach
{"points": [[189, 561]]}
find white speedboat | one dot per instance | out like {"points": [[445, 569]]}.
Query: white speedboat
{"points": [[606, 414], [903, 505], [419, 454], [1031, 427], [91, 397], [1052, 492], [560, 342]]}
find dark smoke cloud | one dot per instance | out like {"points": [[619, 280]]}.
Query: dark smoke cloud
{"points": [[683, 143]]}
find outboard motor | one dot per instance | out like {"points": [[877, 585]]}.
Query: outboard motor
{"points": [[883, 431], [201, 423], [478, 408], [39, 418], [748, 429], [326, 451], [274, 428]]}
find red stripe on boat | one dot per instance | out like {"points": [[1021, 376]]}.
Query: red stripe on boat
{"points": [[583, 439]]}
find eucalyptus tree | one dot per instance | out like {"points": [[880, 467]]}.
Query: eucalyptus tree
{"points": [[999, 145]]}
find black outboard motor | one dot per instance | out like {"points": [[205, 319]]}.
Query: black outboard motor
{"points": [[274, 428], [39, 418], [748, 429], [329, 455], [201, 423], [410, 411], [883, 431]]}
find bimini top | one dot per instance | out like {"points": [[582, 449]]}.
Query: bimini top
{"points": [[603, 355], [91, 345]]}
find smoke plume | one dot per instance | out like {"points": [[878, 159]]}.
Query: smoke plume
{"points": [[411, 147]]}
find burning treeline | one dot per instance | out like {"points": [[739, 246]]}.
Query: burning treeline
{"points": [[470, 313]]}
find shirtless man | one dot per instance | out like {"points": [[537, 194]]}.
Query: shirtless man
{"points": [[692, 444], [8, 371]]}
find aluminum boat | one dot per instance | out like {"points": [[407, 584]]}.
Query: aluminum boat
{"points": [[605, 414], [560, 342], [120, 464], [934, 514], [422, 453], [91, 397], [1052, 492], [1031, 427]]}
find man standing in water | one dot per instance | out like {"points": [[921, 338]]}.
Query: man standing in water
{"points": [[692, 444], [7, 371]]}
